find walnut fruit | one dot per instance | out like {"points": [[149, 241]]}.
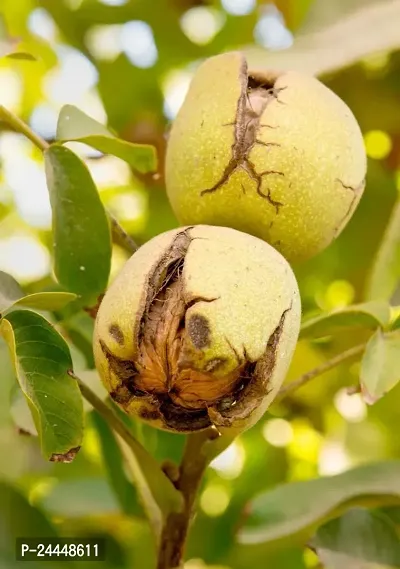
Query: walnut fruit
{"points": [[277, 155], [198, 329]]}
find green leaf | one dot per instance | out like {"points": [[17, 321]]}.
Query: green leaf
{"points": [[366, 315], [79, 329], [81, 232], [22, 56], [10, 291], [114, 465], [75, 125], [294, 510], [380, 370], [18, 518], [81, 497], [294, 11], [331, 47], [396, 323], [67, 499], [21, 414], [42, 360], [46, 300], [385, 274], [393, 513], [357, 540], [11, 294]]}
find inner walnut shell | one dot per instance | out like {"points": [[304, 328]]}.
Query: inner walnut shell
{"points": [[198, 329]]}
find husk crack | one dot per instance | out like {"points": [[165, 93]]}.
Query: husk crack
{"points": [[257, 91]]}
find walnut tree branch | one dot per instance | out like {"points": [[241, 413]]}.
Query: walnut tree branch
{"points": [[196, 460], [120, 236], [176, 526], [19, 126], [319, 370], [200, 449]]}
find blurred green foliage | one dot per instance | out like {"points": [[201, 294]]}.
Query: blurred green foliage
{"points": [[133, 78]]}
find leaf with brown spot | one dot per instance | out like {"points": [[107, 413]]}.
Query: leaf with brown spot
{"points": [[41, 360], [66, 457]]}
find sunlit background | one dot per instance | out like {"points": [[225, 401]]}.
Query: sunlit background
{"points": [[128, 64]]}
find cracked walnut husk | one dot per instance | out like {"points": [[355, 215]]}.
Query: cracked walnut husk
{"points": [[275, 154], [198, 329]]}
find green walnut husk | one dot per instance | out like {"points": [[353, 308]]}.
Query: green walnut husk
{"points": [[198, 329], [277, 155]]}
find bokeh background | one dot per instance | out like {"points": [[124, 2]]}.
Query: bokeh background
{"points": [[128, 64]]}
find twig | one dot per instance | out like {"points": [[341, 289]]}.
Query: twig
{"points": [[319, 370], [194, 462], [19, 126], [120, 236]]}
